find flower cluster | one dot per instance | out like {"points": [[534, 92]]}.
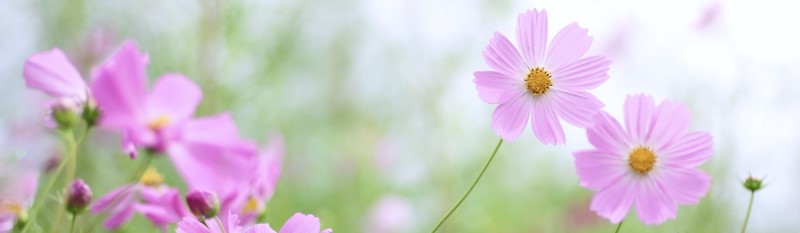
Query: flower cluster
{"points": [[206, 151]]}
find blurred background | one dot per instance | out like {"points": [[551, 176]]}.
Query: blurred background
{"points": [[383, 125]]}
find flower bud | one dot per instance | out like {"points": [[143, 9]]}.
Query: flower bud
{"points": [[203, 204], [91, 113], [65, 113], [753, 183], [79, 196], [21, 221]]}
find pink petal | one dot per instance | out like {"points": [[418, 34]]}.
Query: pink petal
{"points": [[614, 202], [608, 136], [119, 87], [597, 170], [174, 96], [210, 167], [532, 36], [497, 88], [690, 150], [259, 228], [670, 121], [112, 199], [191, 225], [683, 185], [576, 107], [584, 74], [218, 129], [510, 118], [269, 168], [301, 223], [545, 122], [568, 45], [653, 206], [52, 73], [639, 111], [503, 57], [120, 214]]}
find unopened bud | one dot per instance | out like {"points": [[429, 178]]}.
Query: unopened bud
{"points": [[91, 113], [753, 183], [65, 113], [203, 204], [79, 196]]}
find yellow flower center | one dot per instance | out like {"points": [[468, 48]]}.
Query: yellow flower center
{"points": [[160, 122], [10, 207], [251, 206], [642, 160], [538, 81], [151, 178]]}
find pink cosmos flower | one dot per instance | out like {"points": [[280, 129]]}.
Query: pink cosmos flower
{"points": [[250, 198], [52, 73], [651, 163], [19, 183], [539, 82], [207, 152], [299, 223], [160, 204]]}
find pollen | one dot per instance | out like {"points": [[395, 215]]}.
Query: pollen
{"points": [[151, 178], [160, 122], [642, 160], [251, 206], [538, 81], [10, 207]]}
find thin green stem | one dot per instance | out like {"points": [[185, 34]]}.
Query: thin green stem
{"points": [[73, 163], [749, 207], [219, 224], [69, 139], [72, 225], [466, 194], [619, 226]]}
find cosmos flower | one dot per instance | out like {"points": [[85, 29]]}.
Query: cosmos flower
{"points": [[19, 183], [299, 223], [649, 165], [160, 204], [539, 82], [52, 73], [250, 198], [207, 151]]}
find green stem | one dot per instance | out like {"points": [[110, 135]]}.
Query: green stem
{"points": [[749, 207], [438, 225], [69, 139], [219, 223], [619, 226], [73, 163], [72, 225]]}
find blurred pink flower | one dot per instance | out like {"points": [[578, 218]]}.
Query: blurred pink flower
{"points": [[19, 182], [160, 204], [52, 73], [299, 223], [651, 163], [207, 151], [541, 85], [192, 225], [250, 199], [391, 214]]}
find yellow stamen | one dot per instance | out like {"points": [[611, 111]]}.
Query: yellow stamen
{"points": [[160, 122], [10, 207], [538, 81], [251, 206], [642, 160], [151, 178]]}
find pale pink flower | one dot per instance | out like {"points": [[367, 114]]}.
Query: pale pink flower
{"points": [[650, 164], [160, 204], [207, 151], [250, 198], [52, 73], [229, 225], [541, 83], [19, 182], [391, 214]]}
